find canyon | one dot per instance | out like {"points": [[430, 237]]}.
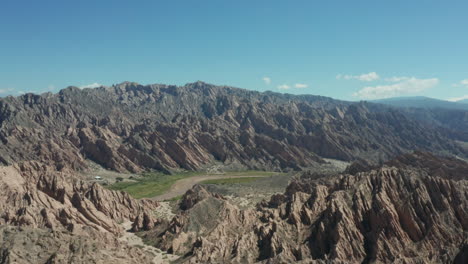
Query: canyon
{"points": [[402, 199]]}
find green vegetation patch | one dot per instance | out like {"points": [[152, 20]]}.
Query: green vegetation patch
{"points": [[154, 183], [251, 173], [232, 180], [151, 184]]}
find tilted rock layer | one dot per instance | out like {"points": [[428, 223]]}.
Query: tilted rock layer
{"points": [[131, 127], [401, 214], [48, 216], [35, 195]]}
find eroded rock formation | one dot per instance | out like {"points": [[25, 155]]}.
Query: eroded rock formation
{"points": [[402, 214], [25, 245], [131, 127], [36, 195], [48, 216], [413, 209]]}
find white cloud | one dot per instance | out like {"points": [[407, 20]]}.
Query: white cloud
{"points": [[14, 92], [10, 91], [267, 80], [397, 79], [6, 90], [92, 85], [297, 86], [461, 83], [409, 86], [366, 77], [301, 85], [456, 99], [284, 87]]}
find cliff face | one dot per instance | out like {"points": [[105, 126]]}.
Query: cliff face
{"points": [[131, 127], [36, 195], [48, 216], [402, 214]]}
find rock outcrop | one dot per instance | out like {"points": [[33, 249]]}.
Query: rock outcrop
{"points": [[48, 216], [36, 195], [413, 209], [398, 214], [25, 245], [131, 127]]}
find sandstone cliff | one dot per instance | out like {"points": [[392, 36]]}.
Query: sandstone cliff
{"points": [[36, 195], [389, 214], [48, 216]]}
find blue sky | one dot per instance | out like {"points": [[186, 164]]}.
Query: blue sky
{"points": [[348, 50]]}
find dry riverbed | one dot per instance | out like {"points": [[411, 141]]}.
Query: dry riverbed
{"points": [[183, 185]]}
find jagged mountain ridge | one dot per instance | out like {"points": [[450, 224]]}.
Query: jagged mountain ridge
{"points": [[133, 127], [36, 195], [452, 116], [411, 210], [48, 216], [422, 102]]}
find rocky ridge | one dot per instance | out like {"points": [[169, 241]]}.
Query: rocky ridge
{"points": [[36, 195], [133, 127], [398, 214], [413, 209], [64, 219]]}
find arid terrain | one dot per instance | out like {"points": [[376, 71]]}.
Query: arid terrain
{"points": [[212, 174], [233, 132], [400, 212], [182, 186]]}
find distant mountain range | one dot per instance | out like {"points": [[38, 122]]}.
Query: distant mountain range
{"points": [[133, 127], [423, 102], [433, 112]]}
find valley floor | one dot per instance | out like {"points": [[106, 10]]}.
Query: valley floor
{"points": [[183, 185]]}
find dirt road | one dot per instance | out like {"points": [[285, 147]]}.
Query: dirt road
{"points": [[183, 185]]}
